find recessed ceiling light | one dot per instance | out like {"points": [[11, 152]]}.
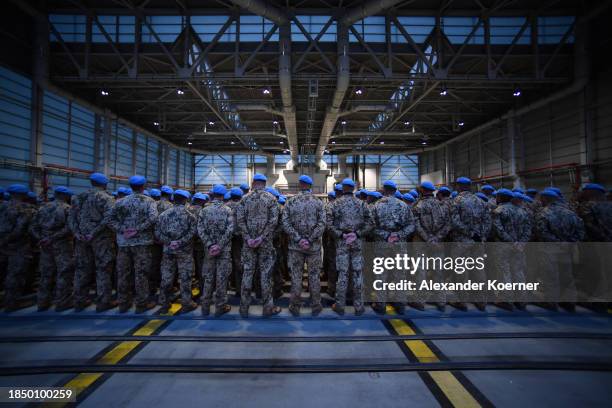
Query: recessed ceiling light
{"points": [[443, 92], [104, 92], [180, 91], [155, 123], [343, 122]]}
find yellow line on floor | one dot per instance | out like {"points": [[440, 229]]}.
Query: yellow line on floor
{"points": [[448, 383], [84, 380]]}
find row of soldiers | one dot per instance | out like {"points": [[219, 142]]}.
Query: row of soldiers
{"points": [[236, 233]]}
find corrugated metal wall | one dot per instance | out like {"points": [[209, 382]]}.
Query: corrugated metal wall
{"points": [[75, 143], [552, 147]]}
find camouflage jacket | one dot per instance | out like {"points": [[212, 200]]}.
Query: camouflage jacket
{"points": [[597, 217], [510, 224], [257, 215], [557, 223], [470, 218], [194, 209], [392, 215], [234, 207], [432, 218], [216, 224], [304, 217], [15, 221], [51, 222], [88, 212], [134, 211], [176, 224], [349, 214], [163, 205]]}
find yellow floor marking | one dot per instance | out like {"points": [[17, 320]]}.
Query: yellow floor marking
{"points": [[84, 380], [448, 383]]}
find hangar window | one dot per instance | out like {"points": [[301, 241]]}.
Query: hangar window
{"points": [[370, 29], [551, 30], [505, 29], [207, 28], [71, 28], [457, 29], [313, 25], [419, 29], [167, 28], [255, 29], [119, 29]]}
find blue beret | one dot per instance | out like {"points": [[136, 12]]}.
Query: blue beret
{"points": [[414, 193], [454, 194], [338, 187], [487, 187], [200, 196], [63, 190], [121, 190], [17, 189], [146, 192], [282, 199], [331, 194], [518, 190], [348, 182], [182, 193], [409, 197], [390, 183], [428, 185], [244, 186], [32, 194], [227, 196], [517, 194], [549, 192], [259, 177], [444, 188], [99, 178], [594, 186], [362, 191], [464, 180], [556, 190], [528, 199], [236, 192], [219, 189], [532, 191], [273, 191], [505, 192], [114, 194], [398, 194], [154, 192], [482, 196], [137, 180], [306, 179], [128, 191], [167, 190]]}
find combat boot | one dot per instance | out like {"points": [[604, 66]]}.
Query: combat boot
{"points": [[220, 311], [188, 307], [79, 307], [294, 310], [316, 310], [145, 307], [103, 307]]}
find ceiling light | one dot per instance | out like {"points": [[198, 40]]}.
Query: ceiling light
{"points": [[285, 151], [211, 123], [343, 122], [104, 92], [424, 142], [443, 92], [382, 142], [155, 123], [232, 142], [275, 122], [461, 123], [407, 123], [180, 91], [517, 92], [189, 143], [333, 142], [267, 91], [358, 91], [281, 142]]}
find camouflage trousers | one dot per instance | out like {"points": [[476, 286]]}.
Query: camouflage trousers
{"points": [[18, 260], [97, 256], [262, 260], [558, 277], [181, 261], [133, 266], [349, 259], [313, 261], [510, 268], [155, 276], [215, 274], [466, 247], [56, 266], [329, 263]]}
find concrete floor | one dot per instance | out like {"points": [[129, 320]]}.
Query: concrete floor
{"points": [[384, 389]]}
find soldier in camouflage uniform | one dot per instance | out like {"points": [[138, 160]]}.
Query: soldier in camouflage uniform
{"points": [[257, 217], [349, 220], [432, 225], [470, 222], [163, 203], [393, 223], [133, 220], [50, 229], [329, 248], [236, 195], [175, 229], [94, 244], [557, 223], [216, 228], [511, 226], [303, 221], [15, 244], [198, 202]]}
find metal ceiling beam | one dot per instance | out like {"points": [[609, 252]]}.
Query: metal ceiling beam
{"points": [[264, 9]]}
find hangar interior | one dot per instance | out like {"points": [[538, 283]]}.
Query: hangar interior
{"points": [[191, 93]]}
